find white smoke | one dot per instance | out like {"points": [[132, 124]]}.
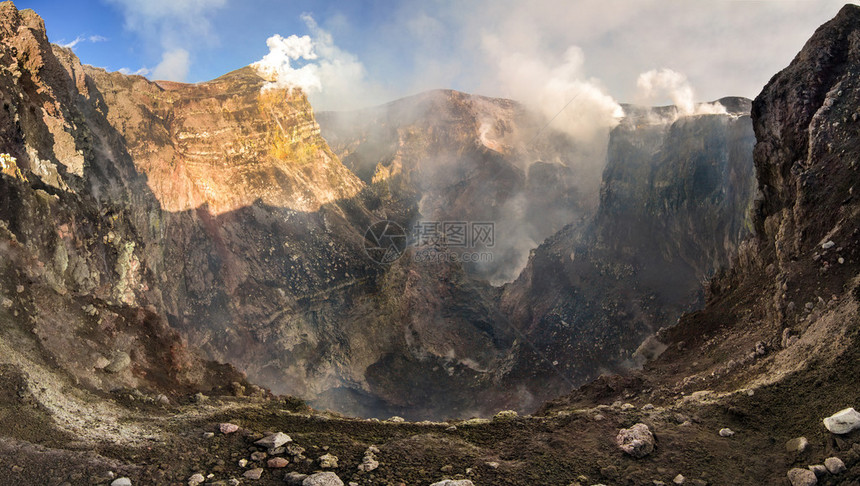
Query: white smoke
{"points": [[332, 78], [557, 89], [276, 66], [654, 85]]}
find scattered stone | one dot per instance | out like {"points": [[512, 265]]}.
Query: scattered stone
{"points": [[208, 435], [843, 422], [120, 361], [599, 417], [834, 465], [451, 428], [798, 444], [294, 449], [228, 428], [818, 469], [726, 432], [253, 474], [369, 463], [199, 397], [492, 465], [295, 478], [277, 451], [274, 441], [506, 415], [101, 362], [396, 420], [19, 289], [121, 482], [258, 456], [452, 482], [628, 406], [828, 245], [648, 406], [760, 348], [637, 441], [277, 463], [243, 462], [328, 461], [371, 450], [196, 479], [802, 477], [679, 479], [6, 303], [322, 479], [447, 468]]}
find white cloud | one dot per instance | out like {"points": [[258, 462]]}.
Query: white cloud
{"points": [[724, 47], [173, 21], [140, 72], [84, 38], [174, 65], [178, 27], [331, 77]]}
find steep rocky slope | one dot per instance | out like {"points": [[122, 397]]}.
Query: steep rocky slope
{"points": [[75, 270], [460, 157]]}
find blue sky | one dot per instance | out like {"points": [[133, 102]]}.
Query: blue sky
{"points": [[376, 51]]}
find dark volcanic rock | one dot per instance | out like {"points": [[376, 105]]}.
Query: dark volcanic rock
{"points": [[674, 206]]}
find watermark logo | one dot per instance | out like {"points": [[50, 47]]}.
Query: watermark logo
{"points": [[435, 241], [385, 242]]}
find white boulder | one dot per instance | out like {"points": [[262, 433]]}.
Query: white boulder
{"points": [[843, 421]]}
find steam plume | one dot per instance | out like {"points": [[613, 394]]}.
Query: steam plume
{"points": [[655, 85], [331, 77]]}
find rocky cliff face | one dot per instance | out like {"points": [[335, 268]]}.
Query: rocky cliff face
{"points": [[460, 157], [776, 345], [77, 280], [673, 209], [225, 144]]}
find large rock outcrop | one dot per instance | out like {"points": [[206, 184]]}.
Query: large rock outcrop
{"points": [[77, 278]]}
